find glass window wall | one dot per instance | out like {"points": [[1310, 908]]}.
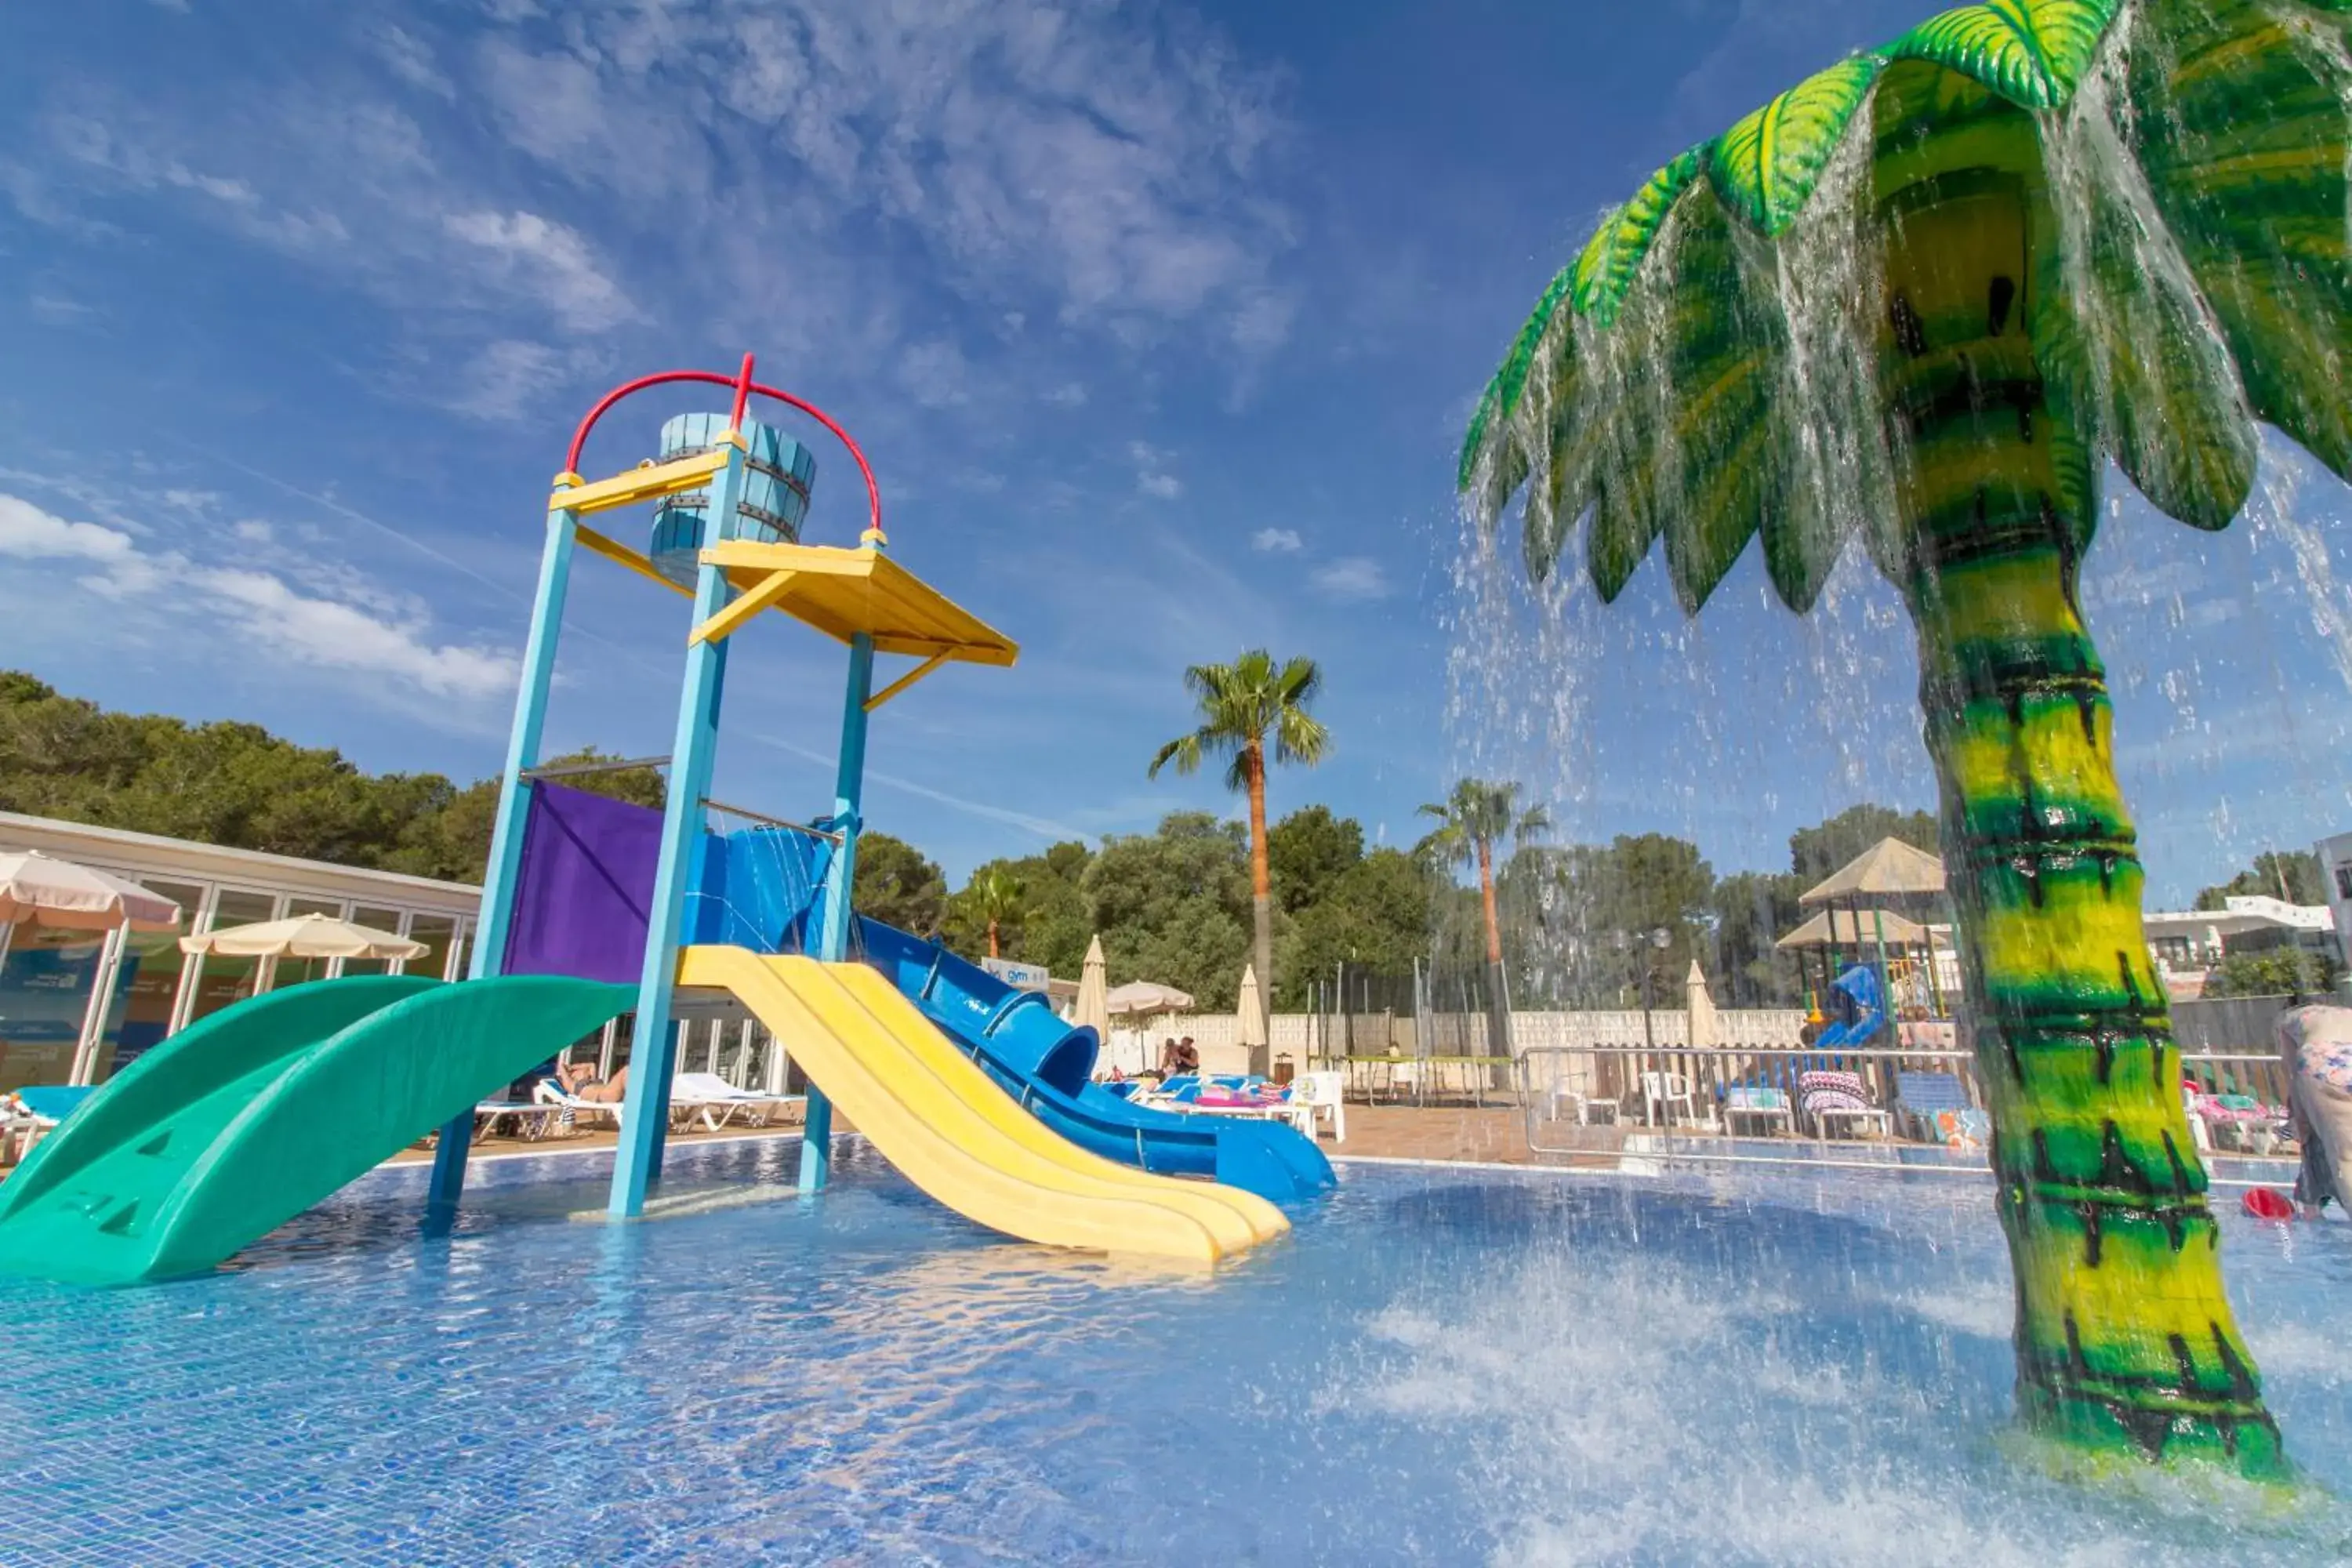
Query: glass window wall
{"points": [[45, 987], [147, 986], [222, 980], [438, 933]]}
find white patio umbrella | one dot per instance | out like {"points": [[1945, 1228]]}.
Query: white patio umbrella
{"points": [[304, 936], [37, 890], [1144, 998], [1701, 1007], [1092, 1009]]}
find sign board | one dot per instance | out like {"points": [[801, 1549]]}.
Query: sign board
{"points": [[1020, 977]]}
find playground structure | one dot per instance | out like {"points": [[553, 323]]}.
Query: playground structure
{"points": [[1917, 301], [594, 908]]}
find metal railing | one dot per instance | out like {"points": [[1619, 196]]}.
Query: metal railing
{"points": [[1398, 1078], [1676, 1090]]}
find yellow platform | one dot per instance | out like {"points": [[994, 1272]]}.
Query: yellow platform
{"points": [[945, 1124], [843, 592]]}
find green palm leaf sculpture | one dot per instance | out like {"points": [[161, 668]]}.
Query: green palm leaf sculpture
{"points": [[1918, 301]]}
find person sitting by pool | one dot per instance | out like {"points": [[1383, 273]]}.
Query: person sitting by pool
{"points": [[1188, 1057], [582, 1083]]}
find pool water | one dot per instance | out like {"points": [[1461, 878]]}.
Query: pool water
{"points": [[1439, 1366]]}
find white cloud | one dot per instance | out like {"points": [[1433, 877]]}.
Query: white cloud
{"points": [[935, 373], [1351, 579], [551, 257], [1069, 394], [325, 633], [1152, 475], [253, 531], [256, 607], [56, 311], [1280, 541], [506, 381], [410, 58], [28, 532], [1109, 159]]}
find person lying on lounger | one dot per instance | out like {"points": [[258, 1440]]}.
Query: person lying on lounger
{"points": [[582, 1083]]}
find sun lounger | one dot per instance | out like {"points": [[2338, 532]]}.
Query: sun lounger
{"points": [[1827, 1097], [547, 1092], [532, 1120], [1920, 1097], [714, 1100], [35, 1111], [2237, 1121], [1758, 1103]]}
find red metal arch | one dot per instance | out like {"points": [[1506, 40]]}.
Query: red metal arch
{"points": [[744, 387]]}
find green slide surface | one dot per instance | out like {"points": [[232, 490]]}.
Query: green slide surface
{"points": [[239, 1122]]}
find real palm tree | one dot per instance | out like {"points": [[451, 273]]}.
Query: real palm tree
{"points": [[1243, 706], [995, 896], [1920, 299], [1472, 821]]}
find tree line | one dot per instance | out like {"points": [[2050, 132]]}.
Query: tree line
{"points": [[1180, 905]]}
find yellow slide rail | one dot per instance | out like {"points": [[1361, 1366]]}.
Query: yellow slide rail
{"points": [[945, 1124]]}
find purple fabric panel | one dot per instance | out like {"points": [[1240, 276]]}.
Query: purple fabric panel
{"points": [[585, 886]]}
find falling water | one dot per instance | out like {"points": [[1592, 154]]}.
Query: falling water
{"points": [[1538, 677]]}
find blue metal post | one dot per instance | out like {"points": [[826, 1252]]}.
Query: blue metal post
{"points": [[495, 916], [652, 1050], [832, 941]]}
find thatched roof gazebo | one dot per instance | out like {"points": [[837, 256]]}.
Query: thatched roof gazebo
{"points": [[1854, 917], [1889, 868]]}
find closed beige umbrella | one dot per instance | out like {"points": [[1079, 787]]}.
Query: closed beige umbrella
{"points": [[1092, 1009], [1254, 1037], [304, 936], [1701, 1006]]}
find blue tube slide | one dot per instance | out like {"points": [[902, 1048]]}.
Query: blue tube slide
{"points": [[1048, 1066], [764, 889]]}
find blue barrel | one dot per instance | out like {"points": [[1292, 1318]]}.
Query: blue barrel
{"points": [[776, 480]]}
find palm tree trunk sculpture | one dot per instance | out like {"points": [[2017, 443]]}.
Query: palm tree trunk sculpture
{"points": [[1920, 299]]}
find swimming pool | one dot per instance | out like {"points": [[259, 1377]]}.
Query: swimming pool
{"points": [[1439, 1366]]}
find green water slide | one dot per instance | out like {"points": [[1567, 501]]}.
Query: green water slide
{"points": [[239, 1122]]}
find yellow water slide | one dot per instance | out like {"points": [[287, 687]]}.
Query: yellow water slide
{"points": [[943, 1122]]}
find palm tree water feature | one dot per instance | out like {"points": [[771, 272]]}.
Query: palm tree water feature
{"points": [[1244, 706], [1920, 299]]}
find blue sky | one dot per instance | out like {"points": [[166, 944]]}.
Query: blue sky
{"points": [[1160, 325]]}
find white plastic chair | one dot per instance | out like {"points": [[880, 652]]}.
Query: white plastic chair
{"points": [[1667, 1089], [1317, 1093]]}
